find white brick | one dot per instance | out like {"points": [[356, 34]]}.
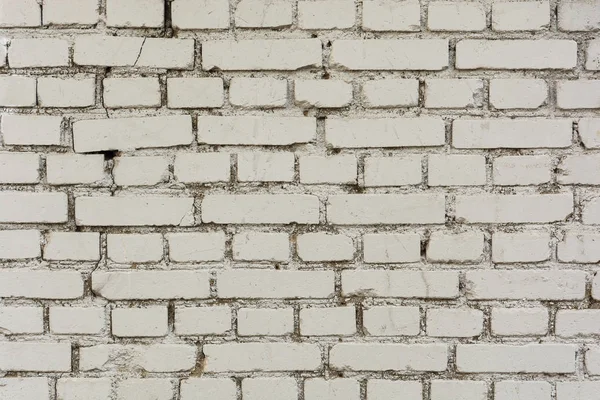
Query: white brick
{"points": [[196, 246], [69, 92], [40, 284], [200, 14], [401, 284], [578, 15], [325, 14], [456, 16], [131, 92], [388, 356], [511, 247], [265, 321], [260, 209], [525, 285], [519, 321], [392, 248], [456, 170], [194, 92], [202, 167], [580, 247], [389, 15], [150, 358], [520, 16], [325, 247], [265, 167], [134, 211], [369, 209], [73, 169], [258, 92], [449, 322], [134, 248], [455, 247], [34, 130], [239, 357], [77, 320], [530, 358], [216, 388], [319, 321], [35, 357], [19, 168], [453, 93], [23, 13], [577, 390], [140, 170], [261, 246], [522, 170], [322, 93], [516, 54], [263, 14], [145, 285], [591, 211], [273, 54], [390, 55], [24, 388], [70, 12], [135, 13], [336, 169], [30, 207], [145, 389], [393, 171], [592, 55], [38, 52], [20, 244], [464, 390], [381, 132], [213, 320], [386, 93], [73, 246], [592, 361], [139, 322], [254, 130], [131, 133], [83, 388], [392, 321], [333, 389], [269, 284], [16, 320], [518, 93], [269, 389], [578, 94], [17, 91]]}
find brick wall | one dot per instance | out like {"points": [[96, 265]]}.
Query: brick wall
{"points": [[299, 200]]}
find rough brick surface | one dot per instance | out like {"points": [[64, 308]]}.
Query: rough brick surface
{"points": [[299, 199]]}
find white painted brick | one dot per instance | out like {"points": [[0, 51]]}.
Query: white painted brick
{"points": [[202, 167], [74, 169], [145, 285], [325, 14], [392, 321], [200, 14], [504, 358], [456, 16], [325, 247], [135, 13], [516, 54], [453, 93], [580, 247], [577, 390], [385, 93], [139, 322], [25, 388], [35, 356], [591, 211], [528, 246], [3, 52], [261, 246], [77, 320], [577, 323], [393, 171], [263, 14], [145, 389], [522, 285], [391, 248], [30, 207], [25, 13], [521, 170], [151, 358], [70, 12], [30, 130], [216, 388], [258, 92], [73, 246], [268, 284], [390, 55], [214, 320], [578, 94], [265, 321], [269, 389], [140, 170], [578, 15], [196, 246], [592, 55], [518, 93], [388, 356], [134, 248], [38, 52], [592, 361], [464, 390], [322, 93], [332, 389], [68, 92], [20, 244], [520, 16], [260, 166], [519, 321], [388, 15], [455, 247], [194, 92], [19, 168], [131, 92], [19, 320], [336, 169], [456, 170], [331, 321], [381, 389], [83, 388], [449, 322], [17, 91], [401, 284], [239, 357]]}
